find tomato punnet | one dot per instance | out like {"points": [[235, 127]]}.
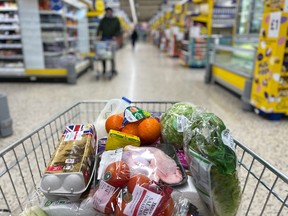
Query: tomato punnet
{"points": [[168, 208], [139, 179], [111, 204], [122, 203], [117, 174]]}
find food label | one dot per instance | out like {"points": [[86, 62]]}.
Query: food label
{"points": [[75, 135], [54, 168], [103, 195], [181, 123], [144, 202], [107, 158], [200, 168], [133, 114], [228, 139], [274, 24]]}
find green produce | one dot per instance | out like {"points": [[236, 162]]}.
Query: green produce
{"points": [[210, 145], [33, 211], [206, 139], [173, 123], [226, 192]]}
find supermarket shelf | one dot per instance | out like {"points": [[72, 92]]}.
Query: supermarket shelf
{"points": [[12, 57], [53, 40], [72, 39], [185, 52], [71, 26], [222, 25], [72, 50], [93, 24], [7, 27], [8, 9], [51, 54], [81, 66], [51, 25], [9, 20], [49, 12], [10, 46], [10, 37], [223, 16], [70, 16], [225, 5], [200, 18], [11, 70]]}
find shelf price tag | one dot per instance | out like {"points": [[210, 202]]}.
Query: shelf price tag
{"points": [[285, 9], [274, 24]]}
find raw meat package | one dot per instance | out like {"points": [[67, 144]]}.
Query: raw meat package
{"points": [[159, 163], [70, 168]]}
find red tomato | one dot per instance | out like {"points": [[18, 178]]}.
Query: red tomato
{"points": [[117, 174], [122, 203], [137, 180], [110, 206], [168, 208]]}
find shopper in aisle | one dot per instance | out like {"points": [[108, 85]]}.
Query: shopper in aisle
{"points": [[109, 29], [134, 37]]}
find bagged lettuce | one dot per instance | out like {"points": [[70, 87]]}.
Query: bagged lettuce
{"points": [[174, 121], [210, 151]]}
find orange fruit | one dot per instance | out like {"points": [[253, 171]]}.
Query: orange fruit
{"points": [[149, 130], [114, 122], [131, 128]]}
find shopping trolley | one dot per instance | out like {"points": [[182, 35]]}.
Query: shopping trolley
{"points": [[105, 50], [264, 188]]}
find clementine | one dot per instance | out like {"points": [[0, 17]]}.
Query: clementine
{"points": [[149, 130], [131, 128], [114, 122]]}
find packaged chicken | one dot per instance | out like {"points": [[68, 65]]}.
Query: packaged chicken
{"points": [[159, 163], [70, 168]]}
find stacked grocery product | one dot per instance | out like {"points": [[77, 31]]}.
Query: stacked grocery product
{"points": [[11, 58], [131, 162]]}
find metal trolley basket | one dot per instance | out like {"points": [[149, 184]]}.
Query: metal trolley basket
{"points": [[104, 50], [264, 188]]}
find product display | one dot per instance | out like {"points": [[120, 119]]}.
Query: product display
{"points": [[11, 58]]}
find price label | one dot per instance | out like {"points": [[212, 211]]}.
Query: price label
{"points": [[285, 9], [274, 24]]}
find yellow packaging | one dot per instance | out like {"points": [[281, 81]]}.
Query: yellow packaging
{"points": [[117, 139]]}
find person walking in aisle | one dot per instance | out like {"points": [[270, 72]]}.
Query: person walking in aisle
{"points": [[109, 29], [134, 38]]}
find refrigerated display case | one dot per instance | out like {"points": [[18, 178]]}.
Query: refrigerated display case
{"points": [[248, 21], [232, 67]]}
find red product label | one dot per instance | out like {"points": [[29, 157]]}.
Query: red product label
{"points": [[54, 168], [144, 202]]}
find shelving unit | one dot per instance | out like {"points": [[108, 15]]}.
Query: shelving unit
{"points": [[49, 42], [11, 56]]}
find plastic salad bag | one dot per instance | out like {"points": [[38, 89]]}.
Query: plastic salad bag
{"points": [[173, 123], [210, 151]]}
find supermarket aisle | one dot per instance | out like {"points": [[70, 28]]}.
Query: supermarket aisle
{"points": [[147, 74]]}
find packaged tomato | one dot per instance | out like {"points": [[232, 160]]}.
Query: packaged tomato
{"points": [[150, 199]]}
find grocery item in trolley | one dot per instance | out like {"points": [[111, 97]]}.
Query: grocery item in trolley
{"points": [[71, 166], [210, 151], [113, 106], [159, 163]]}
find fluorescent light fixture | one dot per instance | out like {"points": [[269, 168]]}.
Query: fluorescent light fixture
{"points": [[133, 11]]}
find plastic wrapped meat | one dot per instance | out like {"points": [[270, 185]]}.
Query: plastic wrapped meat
{"points": [[153, 163]]}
